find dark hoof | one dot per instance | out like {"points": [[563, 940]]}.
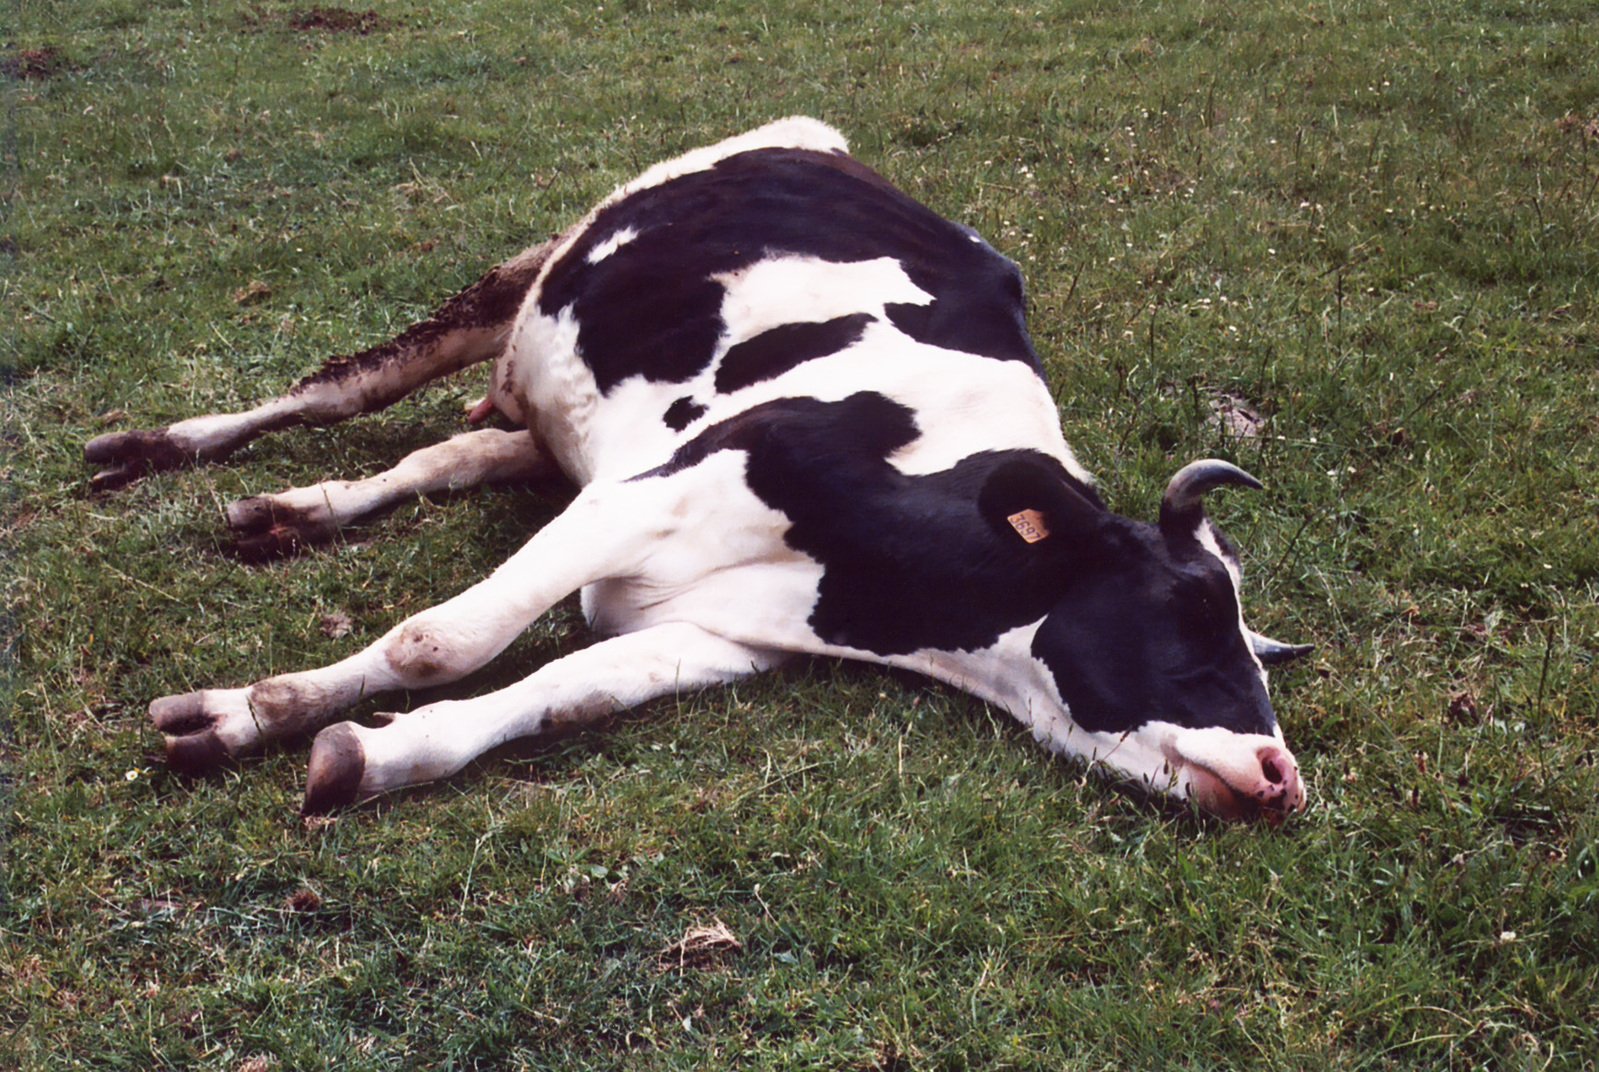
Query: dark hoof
{"points": [[177, 715], [337, 763], [111, 447], [193, 747], [123, 457], [196, 753], [249, 515], [265, 530], [108, 480], [269, 546]]}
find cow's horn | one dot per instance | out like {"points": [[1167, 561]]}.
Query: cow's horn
{"points": [[1187, 489], [1274, 652]]}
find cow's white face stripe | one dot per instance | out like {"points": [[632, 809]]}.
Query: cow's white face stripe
{"points": [[1161, 756]]}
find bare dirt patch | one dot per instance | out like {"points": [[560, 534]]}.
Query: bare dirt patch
{"points": [[317, 20], [1234, 416]]}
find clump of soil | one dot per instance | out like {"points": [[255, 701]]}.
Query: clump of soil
{"points": [[336, 20], [33, 64]]}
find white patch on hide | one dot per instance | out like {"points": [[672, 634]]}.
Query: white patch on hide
{"points": [[963, 404], [725, 565], [612, 244], [803, 289], [554, 388]]}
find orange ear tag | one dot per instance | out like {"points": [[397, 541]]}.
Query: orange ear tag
{"points": [[1029, 525]]}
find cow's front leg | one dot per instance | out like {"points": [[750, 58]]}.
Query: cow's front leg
{"points": [[605, 532], [266, 526], [206, 728], [350, 762]]}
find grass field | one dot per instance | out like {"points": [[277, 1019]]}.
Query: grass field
{"points": [[1373, 225]]}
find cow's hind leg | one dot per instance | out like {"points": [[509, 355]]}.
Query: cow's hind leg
{"points": [[350, 762], [266, 526], [469, 328]]}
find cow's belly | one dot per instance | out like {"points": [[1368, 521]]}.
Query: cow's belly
{"points": [[962, 402]]}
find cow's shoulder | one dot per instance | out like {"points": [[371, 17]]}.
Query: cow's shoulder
{"points": [[910, 560]]}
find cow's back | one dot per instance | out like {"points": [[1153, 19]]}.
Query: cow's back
{"points": [[773, 265]]}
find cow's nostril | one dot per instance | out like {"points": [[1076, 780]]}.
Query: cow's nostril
{"points": [[1273, 766]]}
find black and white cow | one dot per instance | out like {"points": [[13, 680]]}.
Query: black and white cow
{"points": [[804, 416]]}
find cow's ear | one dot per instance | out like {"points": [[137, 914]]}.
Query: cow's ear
{"points": [[1035, 501]]}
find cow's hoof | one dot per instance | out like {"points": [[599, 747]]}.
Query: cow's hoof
{"points": [[250, 515], [276, 542], [123, 457], [192, 744], [183, 714], [204, 730], [114, 477], [337, 763], [194, 754], [265, 528]]}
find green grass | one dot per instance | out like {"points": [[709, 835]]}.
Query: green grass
{"points": [[1375, 223]]}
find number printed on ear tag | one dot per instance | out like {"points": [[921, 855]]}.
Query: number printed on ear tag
{"points": [[1029, 525]]}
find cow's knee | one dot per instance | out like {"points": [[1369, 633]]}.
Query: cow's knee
{"points": [[421, 653]]}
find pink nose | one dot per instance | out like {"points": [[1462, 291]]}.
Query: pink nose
{"points": [[1280, 789], [1270, 791]]}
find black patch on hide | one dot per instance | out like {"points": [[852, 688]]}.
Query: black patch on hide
{"points": [[652, 308], [682, 413], [773, 352]]}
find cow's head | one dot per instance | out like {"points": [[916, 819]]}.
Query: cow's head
{"points": [[1145, 645]]}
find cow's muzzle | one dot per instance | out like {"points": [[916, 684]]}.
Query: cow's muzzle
{"points": [[1262, 783]]}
